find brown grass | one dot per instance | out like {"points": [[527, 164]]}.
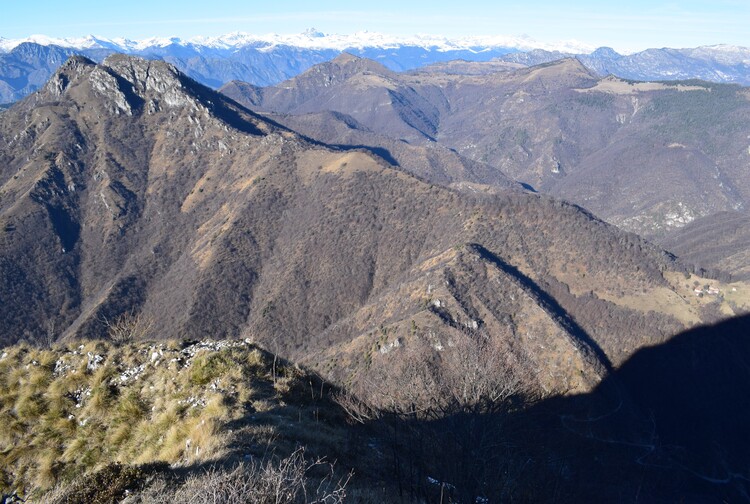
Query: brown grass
{"points": [[69, 411]]}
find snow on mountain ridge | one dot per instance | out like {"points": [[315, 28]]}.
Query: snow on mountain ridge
{"points": [[309, 39], [315, 40], [723, 53]]}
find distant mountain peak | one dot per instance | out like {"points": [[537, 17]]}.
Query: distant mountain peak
{"points": [[339, 69], [75, 62], [313, 33], [355, 64], [125, 85], [606, 52], [26, 64], [345, 58], [569, 66]]}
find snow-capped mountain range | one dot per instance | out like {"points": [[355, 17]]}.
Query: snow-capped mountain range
{"points": [[25, 64], [309, 39]]}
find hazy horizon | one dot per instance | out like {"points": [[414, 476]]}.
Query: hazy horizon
{"points": [[629, 27]]}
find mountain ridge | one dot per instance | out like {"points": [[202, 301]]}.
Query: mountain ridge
{"points": [[129, 188], [266, 60], [557, 127], [310, 39]]}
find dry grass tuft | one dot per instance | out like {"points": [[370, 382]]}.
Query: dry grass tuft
{"points": [[68, 412]]}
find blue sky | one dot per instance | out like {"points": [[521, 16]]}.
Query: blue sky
{"points": [[625, 25]]}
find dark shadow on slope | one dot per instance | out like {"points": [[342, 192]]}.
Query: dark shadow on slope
{"points": [[222, 107], [126, 88], [380, 152], [683, 437], [582, 340], [66, 228], [697, 388], [686, 436], [528, 187]]}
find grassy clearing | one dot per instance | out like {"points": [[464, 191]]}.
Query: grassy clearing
{"points": [[682, 301], [71, 411]]}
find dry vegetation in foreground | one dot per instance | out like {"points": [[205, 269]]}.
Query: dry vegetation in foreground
{"points": [[284, 480], [73, 416], [226, 422]]}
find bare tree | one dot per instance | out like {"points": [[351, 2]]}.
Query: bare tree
{"points": [[286, 481], [449, 414], [475, 374], [130, 326], [49, 336]]}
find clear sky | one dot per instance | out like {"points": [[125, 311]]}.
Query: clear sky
{"points": [[625, 25]]}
